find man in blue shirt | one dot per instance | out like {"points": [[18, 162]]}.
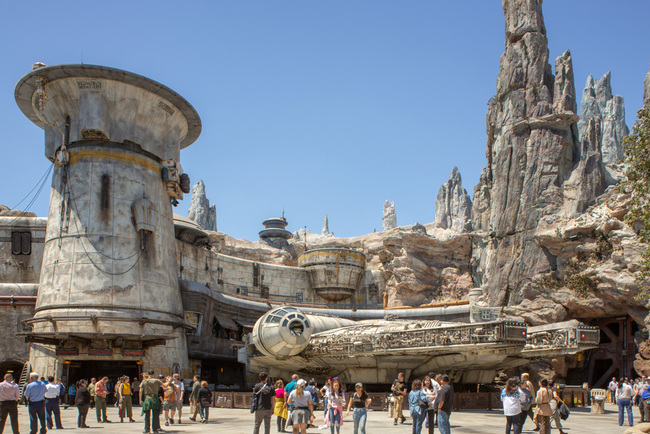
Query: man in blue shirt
{"points": [[35, 395], [288, 389]]}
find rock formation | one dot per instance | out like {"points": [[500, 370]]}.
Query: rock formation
{"points": [[5, 211], [389, 220], [602, 118], [253, 251], [326, 227], [200, 210], [453, 205], [530, 151], [588, 180]]}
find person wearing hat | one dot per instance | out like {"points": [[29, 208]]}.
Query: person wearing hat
{"points": [[151, 402], [360, 402]]}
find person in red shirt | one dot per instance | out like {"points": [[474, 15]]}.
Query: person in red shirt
{"points": [[100, 400]]}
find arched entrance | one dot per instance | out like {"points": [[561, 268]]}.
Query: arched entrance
{"points": [[11, 366]]}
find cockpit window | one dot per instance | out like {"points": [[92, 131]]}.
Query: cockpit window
{"points": [[296, 328]]}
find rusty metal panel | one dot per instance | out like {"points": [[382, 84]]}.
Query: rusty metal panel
{"points": [[378, 402], [474, 401], [222, 399], [242, 399]]}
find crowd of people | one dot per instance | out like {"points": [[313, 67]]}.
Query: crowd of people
{"points": [[430, 402], [520, 400], [627, 393], [45, 397]]}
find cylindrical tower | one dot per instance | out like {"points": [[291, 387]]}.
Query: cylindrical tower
{"points": [[275, 228], [334, 273], [109, 279]]}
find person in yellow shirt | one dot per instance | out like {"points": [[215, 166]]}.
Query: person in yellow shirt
{"points": [[125, 399]]}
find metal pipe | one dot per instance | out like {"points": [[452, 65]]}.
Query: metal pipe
{"points": [[443, 313]]}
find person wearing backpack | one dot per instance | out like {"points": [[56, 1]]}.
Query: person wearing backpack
{"points": [[262, 404]]}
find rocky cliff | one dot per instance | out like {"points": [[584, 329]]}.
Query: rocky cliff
{"points": [[453, 205], [200, 210]]}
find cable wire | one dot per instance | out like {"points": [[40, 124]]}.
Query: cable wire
{"points": [[110, 273]]}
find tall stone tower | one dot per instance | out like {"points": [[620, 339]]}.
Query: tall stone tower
{"points": [[108, 297]]}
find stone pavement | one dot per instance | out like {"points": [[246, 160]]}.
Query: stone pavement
{"points": [[238, 421]]}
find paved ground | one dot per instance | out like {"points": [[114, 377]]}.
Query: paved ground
{"points": [[236, 421]]}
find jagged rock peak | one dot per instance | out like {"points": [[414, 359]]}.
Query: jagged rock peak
{"points": [[646, 90], [200, 210], [607, 111], [531, 145], [523, 16], [389, 220], [326, 226], [564, 95], [453, 205]]}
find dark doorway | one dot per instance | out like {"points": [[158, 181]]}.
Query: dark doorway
{"points": [[11, 367], [614, 357], [112, 369], [223, 373]]}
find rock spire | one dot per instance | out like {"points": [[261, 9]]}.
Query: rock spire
{"points": [[389, 220], [531, 144], [607, 112], [453, 205], [200, 210], [326, 227]]}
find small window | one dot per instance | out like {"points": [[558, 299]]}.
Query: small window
{"points": [[256, 275], [21, 243]]}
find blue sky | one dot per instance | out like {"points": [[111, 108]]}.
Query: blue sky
{"points": [[312, 106]]}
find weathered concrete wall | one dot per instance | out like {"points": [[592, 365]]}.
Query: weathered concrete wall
{"points": [[14, 347], [19, 276], [21, 268], [217, 345], [236, 276]]}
